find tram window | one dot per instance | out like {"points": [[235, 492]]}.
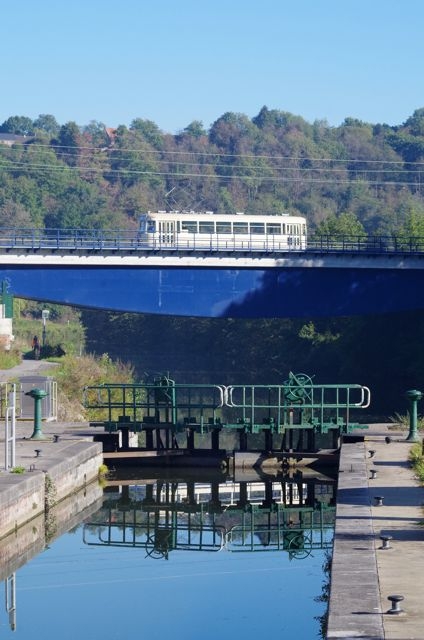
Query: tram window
{"points": [[257, 227], [240, 227], [206, 227], [151, 226], [273, 229], [223, 227], [142, 223], [189, 225]]}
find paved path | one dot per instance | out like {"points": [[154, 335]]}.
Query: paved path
{"points": [[363, 574], [27, 368]]}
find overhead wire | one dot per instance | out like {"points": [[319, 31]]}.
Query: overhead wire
{"points": [[184, 169]]}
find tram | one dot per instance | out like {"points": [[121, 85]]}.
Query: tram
{"points": [[233, 232]]}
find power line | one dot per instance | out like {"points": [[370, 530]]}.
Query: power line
{"points": [[22, 167], [217, 154]]}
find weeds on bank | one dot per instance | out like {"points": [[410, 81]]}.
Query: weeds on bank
{"points": [[9, 359], [402, 421], [416, 459]]}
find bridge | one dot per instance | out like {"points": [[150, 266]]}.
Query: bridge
{"points": [[115, 271]]}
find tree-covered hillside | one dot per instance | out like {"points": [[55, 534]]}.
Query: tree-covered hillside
{"points": [[355, 178], [94, 177]]}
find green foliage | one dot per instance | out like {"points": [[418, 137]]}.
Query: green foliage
{"points": [[74, 373], [352, 179], [344, 224], [18, 470], [309, 332], [19, 125], [402, 420], [63, 328], [416, 458], [9, 359]]}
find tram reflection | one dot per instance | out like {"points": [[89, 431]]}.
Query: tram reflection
{"points": [[294, 514]]}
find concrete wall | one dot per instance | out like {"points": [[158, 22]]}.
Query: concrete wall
{"points": [[25, 496]]}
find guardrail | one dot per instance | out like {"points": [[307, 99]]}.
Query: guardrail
{"points": [[127, 241]]}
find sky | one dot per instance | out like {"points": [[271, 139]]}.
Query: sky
{"points": [[176, 61]]}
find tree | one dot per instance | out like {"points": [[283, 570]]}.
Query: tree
{"points": [[19, 125], [69, 140], [415, 123], [345, 224], [96, 131], [195, 129], [48, 123], [149, 130]]}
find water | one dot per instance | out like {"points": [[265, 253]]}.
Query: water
{"points": [[196, 560]]}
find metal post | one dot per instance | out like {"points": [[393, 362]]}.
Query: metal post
{"points": [[44, 315], [10, 436], [413, 396], [37, 395]]}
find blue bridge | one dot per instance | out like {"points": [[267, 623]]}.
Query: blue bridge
{"points": [[114, 271]]}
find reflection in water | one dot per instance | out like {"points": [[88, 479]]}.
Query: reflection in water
{"points": [[95, 569], [10, 588], [293, 514]]}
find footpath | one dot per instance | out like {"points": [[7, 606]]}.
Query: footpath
{"points": [[61, 464], [379, 542]]}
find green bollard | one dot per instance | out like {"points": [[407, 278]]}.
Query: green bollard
{"points": [[413, 396], [38, 395]]}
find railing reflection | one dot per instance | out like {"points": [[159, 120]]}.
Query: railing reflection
{"points": [[292, 514]]}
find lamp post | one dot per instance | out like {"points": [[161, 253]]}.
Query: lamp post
{"points": [[44, 316]]}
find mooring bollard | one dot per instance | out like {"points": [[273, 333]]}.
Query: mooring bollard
{"points": [[37, 395], [373, 473], [395, 600], [386, 542], [413, 395], [378, 501]]}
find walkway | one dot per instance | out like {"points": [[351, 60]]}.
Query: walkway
{"points": [[363, 574], [27, 368]]}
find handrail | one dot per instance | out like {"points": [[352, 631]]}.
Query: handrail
{"points": [[129, 241]]}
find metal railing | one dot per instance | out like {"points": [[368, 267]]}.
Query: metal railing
{"points": [[127, 241]]}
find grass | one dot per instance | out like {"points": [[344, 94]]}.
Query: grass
{"points": [[9, 359], [402, 421], [416, 458]]}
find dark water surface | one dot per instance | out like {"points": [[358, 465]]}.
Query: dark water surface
{"points": [[180, 558]]}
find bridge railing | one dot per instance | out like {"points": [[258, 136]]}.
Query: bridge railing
{"points": [[365, 244], [123, 240]]}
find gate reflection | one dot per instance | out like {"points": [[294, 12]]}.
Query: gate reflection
{"points": [[291, 513]]}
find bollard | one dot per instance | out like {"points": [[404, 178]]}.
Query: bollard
{"points": [[413, 396], [395, 600], [371, 453], [373, 473], [378, 501], [386, 542], [38, 395]]}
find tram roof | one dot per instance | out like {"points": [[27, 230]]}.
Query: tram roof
{"points": [[240, 215]]}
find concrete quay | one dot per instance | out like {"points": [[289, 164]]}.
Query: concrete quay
{"points": [[378, 496], [65, 463]]}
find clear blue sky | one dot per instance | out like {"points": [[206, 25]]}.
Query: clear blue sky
{"points": [[175, 61]]}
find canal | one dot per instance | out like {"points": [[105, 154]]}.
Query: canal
{"points": [[201, 556]]}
